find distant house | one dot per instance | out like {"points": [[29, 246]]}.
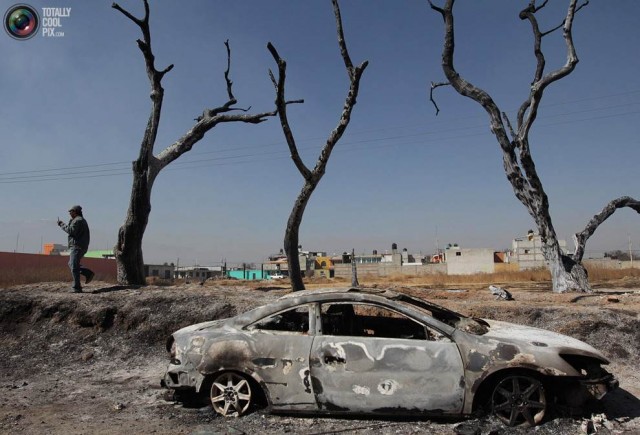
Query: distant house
{"points": [[308, 261], [276, 263], [469, 261], [248, 274], [527, 251], [53, 248], [164, 271], [198, 272]]}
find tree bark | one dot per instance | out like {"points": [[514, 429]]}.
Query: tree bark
{"points": [[291, 236], [128, 249]]}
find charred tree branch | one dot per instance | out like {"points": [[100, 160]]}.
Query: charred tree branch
{"points": [[281, 107], [581, 238], [509, 126], [539, 86], [341, 42], [434, 86], [226, 74]]}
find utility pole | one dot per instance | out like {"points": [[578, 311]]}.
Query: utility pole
{"points": [[354, 270], [630, 251]]}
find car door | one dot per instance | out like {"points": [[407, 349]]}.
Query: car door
{"points": [[282, 342], [370, 358]]}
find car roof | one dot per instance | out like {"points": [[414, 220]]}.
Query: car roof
{"points": [[353, 293], [344, 295], [389, 294]]}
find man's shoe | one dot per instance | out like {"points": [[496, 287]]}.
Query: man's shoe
{"points": [[76, 289], [90, 277]]}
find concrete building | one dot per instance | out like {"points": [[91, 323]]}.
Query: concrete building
{"points": [[198, 272], [469, 261], [163, 271], [307, 260], [527, 251]]}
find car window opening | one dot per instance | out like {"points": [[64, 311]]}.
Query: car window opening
{"points": [[294, 320], [364, 320]]}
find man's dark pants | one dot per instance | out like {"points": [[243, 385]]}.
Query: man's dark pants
{"points": [[75, 255]]}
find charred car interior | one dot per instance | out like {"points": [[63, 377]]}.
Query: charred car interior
{"points": [[371, 351]]}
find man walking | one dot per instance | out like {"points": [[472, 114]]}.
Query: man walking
{"points": [[78, 231]]}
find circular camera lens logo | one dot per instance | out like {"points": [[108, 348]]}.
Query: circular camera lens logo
{"points": [[21, 21]]}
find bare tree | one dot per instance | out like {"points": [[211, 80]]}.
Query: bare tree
{"points": [[128, 250], [311, 177], [567, 272]]}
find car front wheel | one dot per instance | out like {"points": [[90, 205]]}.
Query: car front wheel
{"points": [[519, 400], [231, 394]]}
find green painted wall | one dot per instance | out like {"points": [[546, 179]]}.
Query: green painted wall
{"points": [[249, 275]]}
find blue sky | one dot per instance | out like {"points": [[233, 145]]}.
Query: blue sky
{"points": [[75, 108]]}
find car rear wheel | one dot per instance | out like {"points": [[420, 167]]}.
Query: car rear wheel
{"points": [[231, 394], [519, 400]]}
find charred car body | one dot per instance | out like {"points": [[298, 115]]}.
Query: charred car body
{"points": [[372, 351]]}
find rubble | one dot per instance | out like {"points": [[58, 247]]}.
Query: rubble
{"points": [[500, 293]]}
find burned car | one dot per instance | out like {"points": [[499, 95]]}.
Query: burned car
{"points": [[373, 351]]}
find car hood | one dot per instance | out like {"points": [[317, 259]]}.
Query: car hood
{"points": [[528, 336]]}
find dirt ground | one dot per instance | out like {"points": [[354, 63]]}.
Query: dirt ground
{"points": [[91, 363]]}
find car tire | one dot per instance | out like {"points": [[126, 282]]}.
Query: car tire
{"points": [[231, 394], [519, 400]]}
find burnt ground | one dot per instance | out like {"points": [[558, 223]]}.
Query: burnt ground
{"points": [[92, 363]]}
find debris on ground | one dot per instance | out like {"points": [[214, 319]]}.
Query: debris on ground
{"points": [[500, 293], [598, 423]]}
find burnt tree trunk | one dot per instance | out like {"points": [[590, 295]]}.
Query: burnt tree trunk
{"points": [[567, 272], [291, 236], [128, 249], [311, 177]]}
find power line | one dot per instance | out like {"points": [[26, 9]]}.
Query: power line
{"points": [[51, 175], [2, 174]]}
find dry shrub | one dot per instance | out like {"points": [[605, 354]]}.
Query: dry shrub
{"points": [[438, 280], [606, 274], [441, 280]]}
